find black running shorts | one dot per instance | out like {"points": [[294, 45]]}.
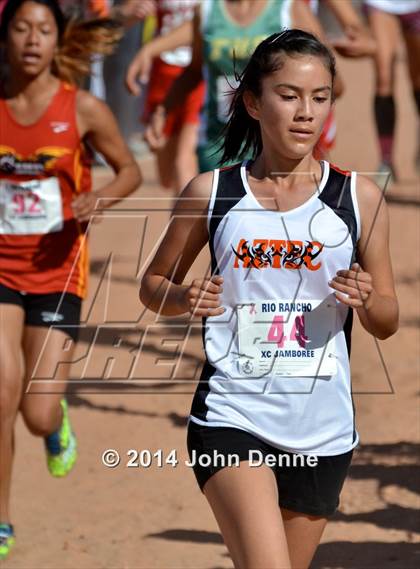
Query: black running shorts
{"points": [[311, 490], [56, 309]]}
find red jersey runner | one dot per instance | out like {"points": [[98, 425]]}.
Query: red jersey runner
{"points": [[42, 167]]}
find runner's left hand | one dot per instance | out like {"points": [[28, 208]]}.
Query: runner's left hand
{"points": [[84, 205], [154, 134], [353, 286], [356, 43], [138, 72]]}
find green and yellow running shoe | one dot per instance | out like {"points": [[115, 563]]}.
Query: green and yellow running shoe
{"points": [[61, 446], [7, 539]]}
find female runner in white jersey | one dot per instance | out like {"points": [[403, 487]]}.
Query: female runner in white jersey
{"points": [[283, 231]]}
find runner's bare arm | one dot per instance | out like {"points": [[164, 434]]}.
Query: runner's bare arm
{"points": [[345, 13], [358, 40], [181, 87], [371, 285], [140, 66], [192, 74], [305, 19], [97, 124], [179, 36], [161, 288]]}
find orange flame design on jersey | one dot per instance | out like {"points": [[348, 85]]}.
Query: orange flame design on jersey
{"points": [[43, 160], [277, 254]]}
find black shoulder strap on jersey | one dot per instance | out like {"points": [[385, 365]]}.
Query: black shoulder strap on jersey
{"points": [[230, 190], [337, 196]]}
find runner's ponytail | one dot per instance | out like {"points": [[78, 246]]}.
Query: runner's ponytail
{"points": [[80, 42]]}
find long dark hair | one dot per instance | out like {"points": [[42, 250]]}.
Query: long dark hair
{"points": [[78, 40], [242, 134]]}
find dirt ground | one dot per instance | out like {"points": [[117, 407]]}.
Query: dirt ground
{"points": [[141, 518]]}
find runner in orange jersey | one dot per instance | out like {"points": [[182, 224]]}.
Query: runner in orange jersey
{"points": [[45, 204]]}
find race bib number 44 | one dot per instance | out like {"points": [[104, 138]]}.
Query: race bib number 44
{"points": [[33, 207], [287, 338]]}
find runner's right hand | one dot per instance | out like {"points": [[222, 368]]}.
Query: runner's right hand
{"points": [[154, 135], [202, 297], [139, 72], [356, 43]]}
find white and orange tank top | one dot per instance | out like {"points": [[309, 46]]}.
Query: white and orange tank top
{"points": [[277, 361]]}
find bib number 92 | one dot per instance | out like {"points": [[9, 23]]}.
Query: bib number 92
{"points": [[30, 207], [26, 204]]}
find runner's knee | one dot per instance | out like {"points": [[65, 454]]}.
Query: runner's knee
{"points": [[41, 421], [10, 385]]}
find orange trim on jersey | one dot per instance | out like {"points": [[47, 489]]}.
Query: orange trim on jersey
{"points": [[82, 264], [337, 169], [8, 150], [223, 168], [78, 171]]}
